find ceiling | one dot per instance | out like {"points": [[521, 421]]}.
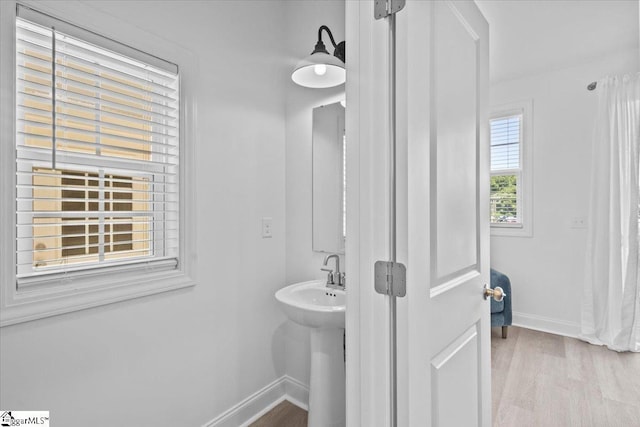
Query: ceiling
{"points": [[532, 36]]}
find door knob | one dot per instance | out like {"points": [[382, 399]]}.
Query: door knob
{"points": [[497, 293]]}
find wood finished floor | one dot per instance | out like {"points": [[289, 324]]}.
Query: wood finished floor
{"points": [[285, 414], [545, 380], [542, 380]]}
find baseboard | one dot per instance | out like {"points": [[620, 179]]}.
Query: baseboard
{"points": [[545, 324], [262, 401], [297, 393]]}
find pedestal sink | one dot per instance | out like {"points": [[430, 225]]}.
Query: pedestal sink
{"points": [[315, 306]]}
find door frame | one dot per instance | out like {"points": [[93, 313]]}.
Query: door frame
{"points": [[367, 355]]}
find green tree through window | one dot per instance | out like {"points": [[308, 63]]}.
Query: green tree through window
{"points": [[504, 198]]}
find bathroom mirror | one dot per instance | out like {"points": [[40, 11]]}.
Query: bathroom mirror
{"points": [[329, 162]]}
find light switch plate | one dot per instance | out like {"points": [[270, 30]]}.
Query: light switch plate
{"points": [[267, 227], [578, 222]]}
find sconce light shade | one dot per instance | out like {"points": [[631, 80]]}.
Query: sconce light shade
{"points": [[320, 69]]}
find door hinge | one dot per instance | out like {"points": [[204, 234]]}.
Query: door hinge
{"points": [[384, 8], [390, 278]]}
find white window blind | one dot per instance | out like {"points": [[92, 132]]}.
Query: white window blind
{"points": [[505, 143], [506, 170], [97, 143]]}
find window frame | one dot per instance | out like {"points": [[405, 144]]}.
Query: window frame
{"points": [[524, 174], [84, 289]]}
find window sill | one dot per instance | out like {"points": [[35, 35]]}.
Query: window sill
{"points": [[510, 230], [43, 301]]}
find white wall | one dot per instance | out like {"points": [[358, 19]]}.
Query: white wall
{"points": [[546, 270], [182, 358], [303, 20]]}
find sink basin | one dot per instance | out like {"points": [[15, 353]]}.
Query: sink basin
{"points": [[321, 309], [314, 305]]}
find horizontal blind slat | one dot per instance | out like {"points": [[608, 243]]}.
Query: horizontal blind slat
{"points": [[100, 79], [66, 85], [27, 238], [76, 159], [156, 121], [23, 259], [112, 87], [24, 205], [24, 227], [23, 110], [69, 45], [34, 36], [157, 111], [24, 247], [111, 127], [87, 213], [51, 249], [117, 142], [32, 63], [167, 189], [159, 87]]}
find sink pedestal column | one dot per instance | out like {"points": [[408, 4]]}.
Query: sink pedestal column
{"points": [[327, 394]]}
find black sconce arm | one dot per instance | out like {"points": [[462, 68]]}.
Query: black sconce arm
{"points": [[339, 47], [324, 27]]}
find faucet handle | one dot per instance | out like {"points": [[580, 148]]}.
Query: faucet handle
{"points": [[342, 280], [330, 276]]}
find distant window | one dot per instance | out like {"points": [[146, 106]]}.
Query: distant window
{"points": [[510, 180], [505, 169]]}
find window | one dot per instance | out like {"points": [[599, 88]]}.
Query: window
{"points": [[510, 183], [97, 170], [505, 169], [97, 144]]}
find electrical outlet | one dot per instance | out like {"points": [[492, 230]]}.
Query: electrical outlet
{"points": [[578, 222], [267, 225]]}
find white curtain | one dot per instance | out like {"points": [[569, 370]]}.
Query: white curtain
{"points": [[611, 300]]}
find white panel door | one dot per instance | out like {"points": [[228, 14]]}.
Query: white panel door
{"points": [[444, 334]]}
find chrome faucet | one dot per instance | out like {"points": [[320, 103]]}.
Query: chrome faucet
{"points": [[335, 279]]}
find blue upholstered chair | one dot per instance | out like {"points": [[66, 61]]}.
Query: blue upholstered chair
{"points": [[501, 311]]}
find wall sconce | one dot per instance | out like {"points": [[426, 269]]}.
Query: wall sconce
{"points": [[320, 70]]}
